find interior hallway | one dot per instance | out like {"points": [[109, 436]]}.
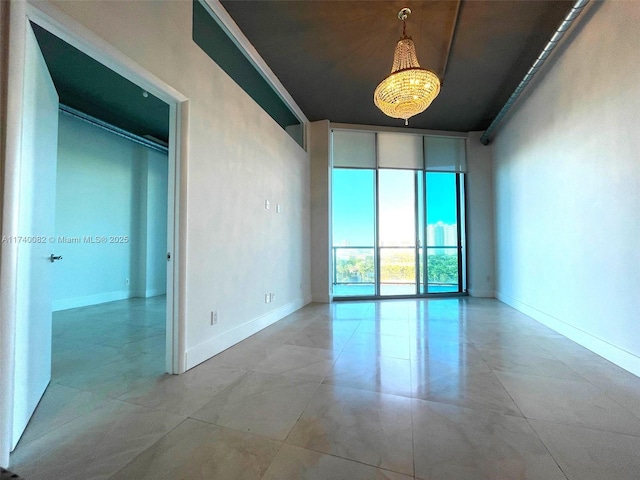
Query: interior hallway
{"points": [[459, 388]]}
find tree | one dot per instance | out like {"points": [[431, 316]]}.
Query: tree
{"points": [[442, 268], [356, 268]]}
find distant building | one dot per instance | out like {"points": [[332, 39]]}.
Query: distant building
{"points": [[442, 235]]}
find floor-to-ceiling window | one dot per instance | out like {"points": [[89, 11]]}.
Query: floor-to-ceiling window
{"points": [[354, 271], [397, 232], [397, 214]]}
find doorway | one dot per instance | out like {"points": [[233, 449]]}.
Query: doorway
{"points": [[109, 287], [21, 14]]}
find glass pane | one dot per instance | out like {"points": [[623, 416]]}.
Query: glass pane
{"points": [[397, 271], [442, 266], [397, 232], [397, 208], [421, 232], [353, 208], [354, 271], [442, 233]]}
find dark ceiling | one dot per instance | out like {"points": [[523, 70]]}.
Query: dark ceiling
{"points": [[330, 55], [86, 85]]}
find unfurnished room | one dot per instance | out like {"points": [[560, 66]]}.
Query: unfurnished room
{"points": [[282, 240]]}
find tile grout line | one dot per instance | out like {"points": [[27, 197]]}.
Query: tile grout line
{"points": [[547, 449], [149, 447]]}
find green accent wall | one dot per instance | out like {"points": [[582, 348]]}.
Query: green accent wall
{"points": [[215, 42], [92, 88]]}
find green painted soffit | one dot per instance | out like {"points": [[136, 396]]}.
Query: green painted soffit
{"points": [[92, 88], [215, 42]]}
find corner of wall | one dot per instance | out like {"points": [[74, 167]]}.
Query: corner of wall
{"points": [[200, 353], [566, 193], [480, 218], [319, 151], [614, 354]]}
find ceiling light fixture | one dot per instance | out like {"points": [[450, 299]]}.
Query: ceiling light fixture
{"points": [[409, 89]]}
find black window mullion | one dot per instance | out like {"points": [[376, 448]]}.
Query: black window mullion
{"points": [[459, 232], [416, 215]]}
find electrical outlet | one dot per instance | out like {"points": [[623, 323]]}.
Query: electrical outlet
{"points": [[272, 297], [126, 282], [278, 208], [214, 317], [267, 205], [267, 298]]}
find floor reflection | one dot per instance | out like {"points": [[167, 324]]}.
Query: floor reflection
{"points": [[402, 389]]}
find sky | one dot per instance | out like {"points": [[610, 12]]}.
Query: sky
{"points": [[353, 204]]}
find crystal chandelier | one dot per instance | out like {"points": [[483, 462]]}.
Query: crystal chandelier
{"points": [[409, 89]]}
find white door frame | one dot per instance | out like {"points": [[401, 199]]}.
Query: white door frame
{"points": [[61, 25]]}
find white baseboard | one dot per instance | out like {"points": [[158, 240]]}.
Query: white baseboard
{"points": [[481, 293], [154, 292], [616, 355], [204, 351], [67, 303]]}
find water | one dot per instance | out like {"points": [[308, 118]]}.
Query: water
{"points": [[364, 290]]}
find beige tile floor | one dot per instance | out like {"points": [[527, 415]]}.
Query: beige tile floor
{"points": [[456, 389]]}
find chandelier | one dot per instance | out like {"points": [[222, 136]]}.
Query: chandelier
{"points": [[409, 89]]}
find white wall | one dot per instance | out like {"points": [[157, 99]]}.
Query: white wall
{"points": [[479, 203], [155, 282], [567, 190], [238, 157], [319, 149], [111, 188]]}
